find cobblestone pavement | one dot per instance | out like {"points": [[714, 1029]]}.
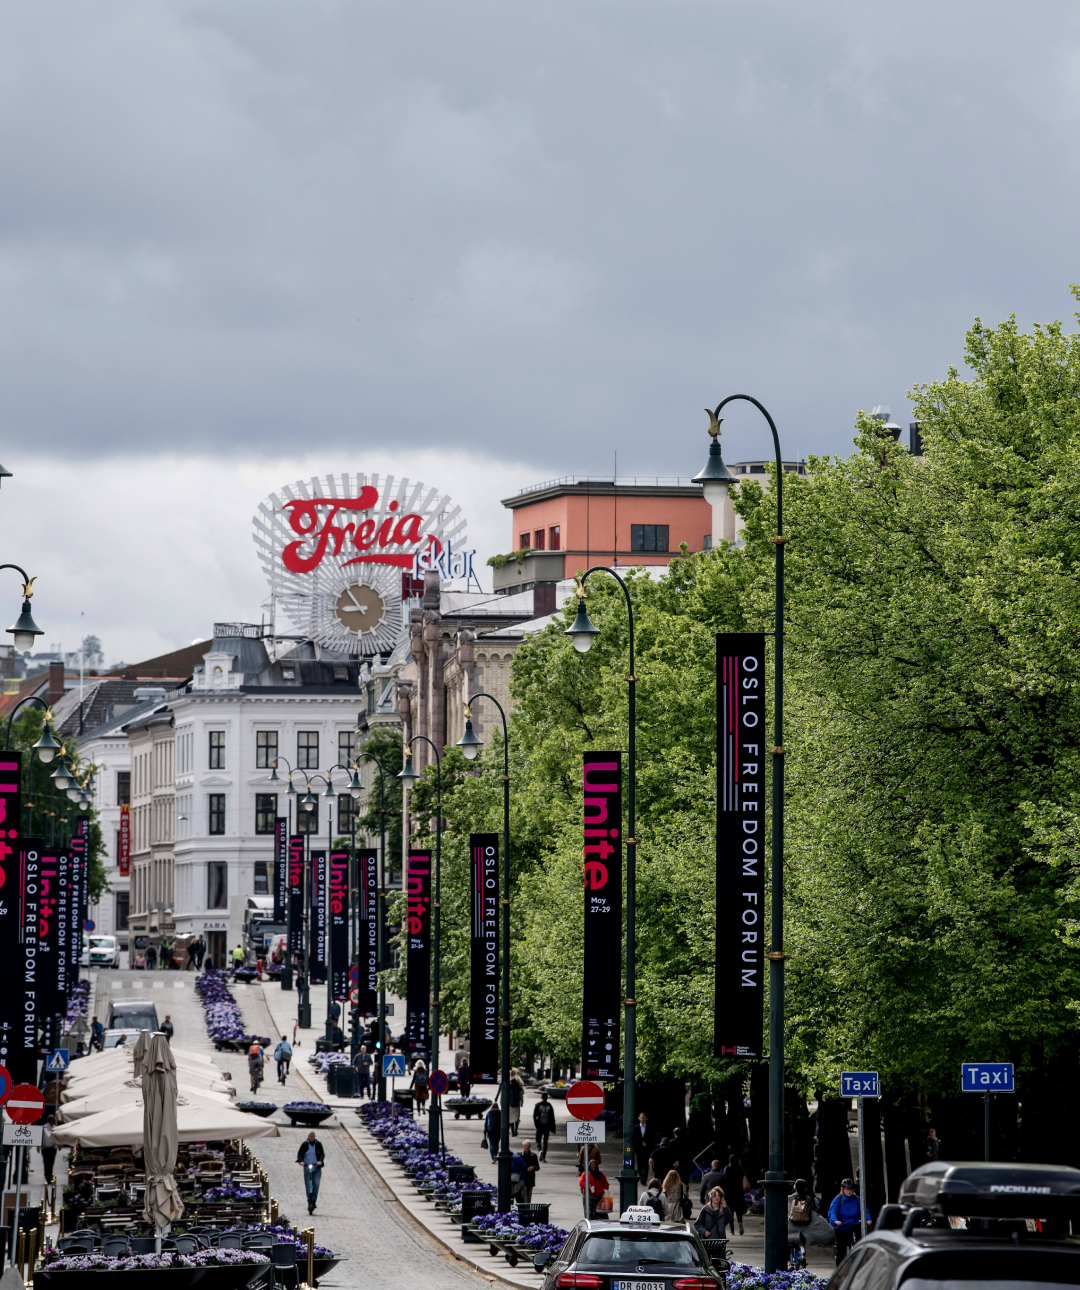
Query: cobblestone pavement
{"points": [[357, 1215]]}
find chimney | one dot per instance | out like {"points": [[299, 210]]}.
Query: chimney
{"points": [[56, 683]]}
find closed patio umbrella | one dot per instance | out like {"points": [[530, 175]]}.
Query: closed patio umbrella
{"points": [[202, 1122], [163, 1204]]}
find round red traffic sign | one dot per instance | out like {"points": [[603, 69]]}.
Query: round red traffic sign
{"points": [[354, 995], [6, 1084], [439, 1082], [585, 1100], [25, 1104]]}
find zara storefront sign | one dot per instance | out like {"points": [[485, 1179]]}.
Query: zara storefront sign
{"points": [[341, 553]]}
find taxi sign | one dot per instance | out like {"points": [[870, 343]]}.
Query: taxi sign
{"points": [[859, 1084], [639, 1214]]}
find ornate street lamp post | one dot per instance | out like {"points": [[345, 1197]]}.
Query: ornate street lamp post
{"points": [[715, 477]]}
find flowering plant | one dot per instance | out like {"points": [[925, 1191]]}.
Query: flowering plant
{"points": [[243, 1106], [305, 1106], [231, 1191], [743, 1276], [212, 1258]]}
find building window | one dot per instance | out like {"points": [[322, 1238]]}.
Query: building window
{"points": [[123, 906], [307, 750], [265, 749], [308, 821], [217, 885], [265, 812], [526, 542], [346, 747], [556, 537], [123, 788], [757, 470], [217, 813], [348, 810], [217, 749], [262, 878], [706, 542], [648, 537], [539, 539]]}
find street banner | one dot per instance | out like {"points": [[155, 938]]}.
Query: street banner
{"points": [[296, 894], [318, 947], [11, 958], [123, 850], [55, 917], [339, 924], [418, 951], [740, 844], [281, 868], [25, 990], [602, 868], [79, 850], [367, 882], [484, 997]]}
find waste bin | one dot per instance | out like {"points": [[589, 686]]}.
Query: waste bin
{"points": [[344, 1079], [533, 1213], [460, 1173], [404, 1099], [473, 1204]]}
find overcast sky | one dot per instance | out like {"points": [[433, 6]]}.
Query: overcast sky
{"points": [[240, 236]]}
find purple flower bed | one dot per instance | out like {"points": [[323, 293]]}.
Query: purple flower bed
{"points": [[262, 1106], [213, 1258], [322, 1060], [78, 1001], [304, 1106], [224, 1022], [282, 1234], [231, 1191], [742, 1276]]}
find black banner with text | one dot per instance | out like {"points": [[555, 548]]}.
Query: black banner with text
{"points": [[317, 966], [12, 961], [281, 868], [740, 844], [339, 924], [295, 910], [484, 996], [30, 991], [55, 930], [602, 869], [418, 952], [80, 888], [367, 883]]}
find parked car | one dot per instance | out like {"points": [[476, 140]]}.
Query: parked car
{"points": [[101, 951], [132, 1014], [994, 1226]]}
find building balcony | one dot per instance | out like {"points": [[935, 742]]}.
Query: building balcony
{"points": [[535, 566]]}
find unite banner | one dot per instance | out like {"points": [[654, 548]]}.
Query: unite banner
{"points": [[317, 965], [367, 883], [602, 870], [484, 995], [418, 953], [296, 894], [339, 924], [281, 868], [740, 844]]}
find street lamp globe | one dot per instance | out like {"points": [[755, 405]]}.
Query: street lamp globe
{"points": [[470, 742], [74, 792], [407, 774], [582, 630], [330, 790], [24, 629], [356, 786], [46, 746], [308, 802]]}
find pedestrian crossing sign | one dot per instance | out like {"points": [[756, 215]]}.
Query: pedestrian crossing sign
{"points": [[393, 1064], [58, 1060]]}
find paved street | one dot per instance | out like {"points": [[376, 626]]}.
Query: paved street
{"points": [[358, 1215]]}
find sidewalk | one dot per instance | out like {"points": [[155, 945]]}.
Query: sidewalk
{"points": [[557, 1182]]}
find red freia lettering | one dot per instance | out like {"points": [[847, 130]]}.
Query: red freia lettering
{"points": [[407, 529], [304, 519], [364, 538]]}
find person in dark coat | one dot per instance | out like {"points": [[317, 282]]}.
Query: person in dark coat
{"points": [[464, 1077], [734, 1191], [642, 1146], [714, 1178], [312, 1156], [845, 1218], [714, 1217], [662, 1158], [493, 1129], [544, 1120]]}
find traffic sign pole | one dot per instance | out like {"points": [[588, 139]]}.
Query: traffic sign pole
{"points": [[862, 1170], [860, 1084]]}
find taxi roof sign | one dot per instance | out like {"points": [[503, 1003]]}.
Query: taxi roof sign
{"points": [[639, 1214]]}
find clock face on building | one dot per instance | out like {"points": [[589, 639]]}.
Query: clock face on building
{"points": [[360, 608]]}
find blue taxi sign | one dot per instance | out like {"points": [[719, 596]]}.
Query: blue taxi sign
{"points": [[858, 1084], [987, 1077]]}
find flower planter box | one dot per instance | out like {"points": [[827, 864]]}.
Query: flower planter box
{"points": [[309, 1119], [231, 1278], [260, 1109]]}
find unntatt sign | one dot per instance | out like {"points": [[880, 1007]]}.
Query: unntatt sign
{"points": [[602, 870], [484, 996], [740, 844]]}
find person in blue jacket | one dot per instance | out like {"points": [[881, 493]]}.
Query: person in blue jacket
{"points": [[844, 1218]]}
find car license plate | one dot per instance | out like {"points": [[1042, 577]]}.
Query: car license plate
{"points": [[639, 1285]]}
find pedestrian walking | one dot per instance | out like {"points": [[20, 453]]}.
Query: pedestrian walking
{"points": [[167, 1028], [200, 953], [312, 1156], [715, 1216], [492, 1129], [238, 957], [464, 1076], [642, 1146], [531, 1162], [598, 1185], [932, 1147], [714, 1178], [734, 1184], [97, 1034], [653, 1197], [517, 1096], [662, 1158], [192, 954], [362, 1062], [48, 1151], [674, 1193], [800, 1212], [151, 958], [844, 1218], [544, 1122], [283, 1056], [419, 1083]]}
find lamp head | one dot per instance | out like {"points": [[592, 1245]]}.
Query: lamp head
{"points": [[24, 629], [74, 792], [407, 775], [46, 746], [273, 771], [330, 790], [470, 742], [291, 790], [582, 630], [61, 775], [308, 802], [714, 477]]}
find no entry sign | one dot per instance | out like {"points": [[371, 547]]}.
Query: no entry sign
{"points": [[25, 1104], [585, 1100]]}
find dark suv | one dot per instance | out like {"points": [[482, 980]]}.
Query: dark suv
{"points": [[639, 1255], [973, 1227]]}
